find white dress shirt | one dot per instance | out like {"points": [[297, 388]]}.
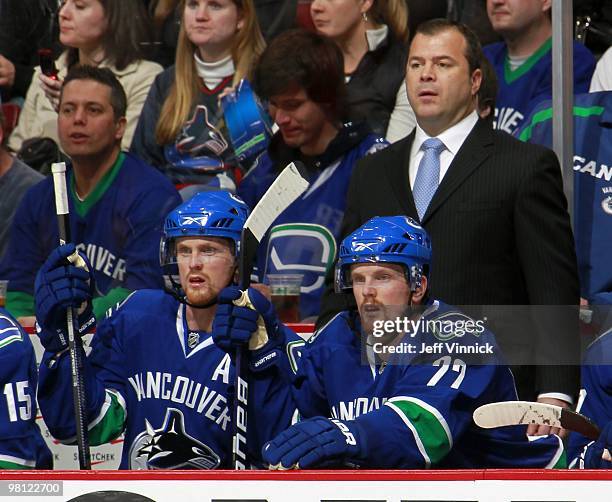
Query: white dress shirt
{"points": [[452, 138]]}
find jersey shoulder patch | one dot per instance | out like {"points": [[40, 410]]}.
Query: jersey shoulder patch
{"points": [[10, 332]]}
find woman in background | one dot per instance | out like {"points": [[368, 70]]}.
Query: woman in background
{"points": [[179, 130], [372, 35], [105, 33]]}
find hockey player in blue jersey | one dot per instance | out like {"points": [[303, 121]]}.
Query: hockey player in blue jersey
{"points": [[301, 74], [21, 444], [117, 202], [596, 403], [395, 384], [154, 373]]}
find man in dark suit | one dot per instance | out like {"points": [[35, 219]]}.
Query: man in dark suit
{"points": [[496, 213]]}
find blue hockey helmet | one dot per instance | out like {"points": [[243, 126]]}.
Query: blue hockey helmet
{"points": [[385, 239], [206, 214]]}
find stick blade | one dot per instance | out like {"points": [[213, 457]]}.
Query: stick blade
{"points": [[507, 413], [288, 186]]}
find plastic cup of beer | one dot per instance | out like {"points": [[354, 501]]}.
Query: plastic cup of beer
{"points": [[285, 294], [3, 288]]}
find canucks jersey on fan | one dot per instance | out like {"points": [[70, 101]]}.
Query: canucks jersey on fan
{"points": [[303, 239], [592, 186], [416, 408], [166, 387], [520, 90], [118, 227], [21, 444]]}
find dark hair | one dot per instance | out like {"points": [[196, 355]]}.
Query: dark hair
{"points": [[487, 92], [128, 30], [104, 76], [473, 49], [306, 59]]}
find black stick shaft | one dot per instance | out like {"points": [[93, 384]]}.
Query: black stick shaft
{"points": [[76, 363], [241, 385]]}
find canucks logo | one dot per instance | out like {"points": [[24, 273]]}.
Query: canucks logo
{"points": [[606, 204], [303, 248], [170, 447]]}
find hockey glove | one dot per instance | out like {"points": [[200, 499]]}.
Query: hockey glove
{"points": [[597, 454], [313, 443], [65, 280], [244, 317]]}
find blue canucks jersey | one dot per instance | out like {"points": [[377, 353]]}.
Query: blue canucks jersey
{"points": [[21, 444], [118, 227], [520, 90], [416, 405], [592, 187], [165, 386], [596, 392], [303, 239]]}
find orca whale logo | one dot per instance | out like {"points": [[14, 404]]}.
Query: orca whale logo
{"points": [[170, 447]]}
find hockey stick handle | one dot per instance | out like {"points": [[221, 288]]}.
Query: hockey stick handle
{"points": [[241, 385], [78, 387]]}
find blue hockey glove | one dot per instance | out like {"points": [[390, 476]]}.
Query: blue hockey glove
{"points": [[315, 442], [65, 280], [244, 317], [598, 454]]}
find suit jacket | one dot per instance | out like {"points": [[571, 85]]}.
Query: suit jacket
{"points": [[500, 234]]}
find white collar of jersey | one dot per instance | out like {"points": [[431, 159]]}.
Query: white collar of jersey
{"points": [[182, 330]]}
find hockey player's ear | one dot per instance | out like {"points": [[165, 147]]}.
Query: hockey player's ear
{"points": [[419, 294]]}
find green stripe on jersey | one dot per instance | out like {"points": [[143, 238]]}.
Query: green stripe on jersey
{"points": [[547, 113], [11, 465], [111, 422], [431, 431], [10, 339]]}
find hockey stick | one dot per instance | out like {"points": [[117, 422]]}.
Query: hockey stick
{"points": [[505, 413], [78, 393], [288, 186]]}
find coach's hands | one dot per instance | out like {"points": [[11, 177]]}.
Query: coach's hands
{"points": [[65, 280], [597, 454], [244, 317], [316, 442]]}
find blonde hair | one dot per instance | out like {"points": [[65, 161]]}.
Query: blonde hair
{"points": [[393, 13], [247, 46]]}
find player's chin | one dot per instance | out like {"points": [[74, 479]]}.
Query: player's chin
{"points": [[200, 296]]}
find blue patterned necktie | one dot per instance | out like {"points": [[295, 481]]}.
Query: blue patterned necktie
{"points": [[428, 175]]}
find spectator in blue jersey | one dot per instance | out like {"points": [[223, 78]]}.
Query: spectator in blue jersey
{"points": [[373, 39], [21, 444], [592, 196], [301, 75], [393, 384], [154, 373], [117, 202], [15, 179], [181, 130], [523, 61], [103, 33]]}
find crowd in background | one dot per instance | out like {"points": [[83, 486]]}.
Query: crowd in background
{"points": [[165, 136]]}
